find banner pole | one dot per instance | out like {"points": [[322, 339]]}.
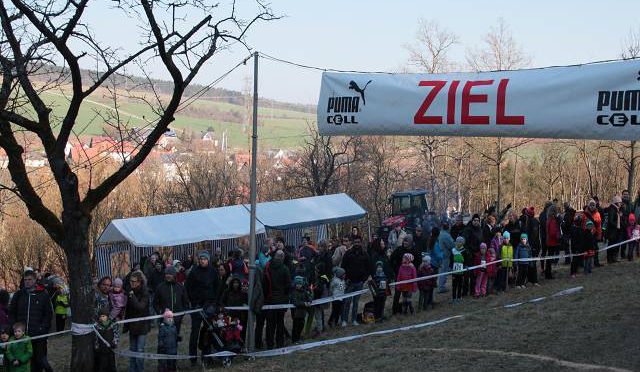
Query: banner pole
{"points": [[250, 338]]}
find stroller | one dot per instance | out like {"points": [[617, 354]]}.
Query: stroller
{"points": [[220, 333]]}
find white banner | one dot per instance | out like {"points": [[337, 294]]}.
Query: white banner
{"points": [[593, 101]]}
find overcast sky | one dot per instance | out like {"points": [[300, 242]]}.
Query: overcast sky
{"points": [[370, 35]]}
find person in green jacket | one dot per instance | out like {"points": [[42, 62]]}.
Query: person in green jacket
{"points": [[458, 274], [506, 266], [19, 354]]}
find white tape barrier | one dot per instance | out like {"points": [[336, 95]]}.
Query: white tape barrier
{"points": [[351, 294], [312, 345], [2, 344]]}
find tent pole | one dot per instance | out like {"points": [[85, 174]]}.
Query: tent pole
{"points": [[250, 338]]}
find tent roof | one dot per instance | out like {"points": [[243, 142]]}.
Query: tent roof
{"points": [[181, 228], [230, 222], [311, 211]]}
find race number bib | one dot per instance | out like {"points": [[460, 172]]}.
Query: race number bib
{"points": [[458, 266]]}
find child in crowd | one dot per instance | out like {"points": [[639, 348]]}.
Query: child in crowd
{"points": [[167, 342], [458, 272], [301, 299], [481, 273], [5, 336], [492, 268], [633, 232], [496, 244], [320, 290], [61, 305], [181, 275], [590, 246], [379, 286], [109, 336], [523, 252], [18, 355], [234, 295], [118, 300], [506, 266], [407, 272], [336, 289], [577, 245], [426, 286]]}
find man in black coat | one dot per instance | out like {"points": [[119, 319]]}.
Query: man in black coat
{"points": [[171, 295], [276, 286], [357, 266], [202, 284], [31, 305]]}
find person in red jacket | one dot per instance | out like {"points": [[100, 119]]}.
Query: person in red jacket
{"points": [[554, 235], [592, 214]]}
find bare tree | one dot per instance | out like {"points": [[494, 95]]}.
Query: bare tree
{"points": [[430, 52], [36, 35]]}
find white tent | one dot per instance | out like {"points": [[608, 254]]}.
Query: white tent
{"points": [[230, 222], [181, 228], [312, 211]]}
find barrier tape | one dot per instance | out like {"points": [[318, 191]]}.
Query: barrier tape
{"points": [[312, 345], [348, 295]]}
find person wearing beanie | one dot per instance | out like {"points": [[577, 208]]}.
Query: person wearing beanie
{"points": [[171, 295], [379, 286], [202, 290], [104, 357], [336, 288], [167, 342], [407, 272], [426, 286], [118, 300], [633, 232], [301, 299], [521, 256], [506, 266]]}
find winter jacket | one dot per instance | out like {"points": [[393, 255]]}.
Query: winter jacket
{"points": [[506, 255], [154, 279], [590, 243], [137, 307], [4, 316], [101, 301], [232, 297], [338, 254], [167, 339], [531, 226], [110, 332], [118, 303], [473, 238], [61, 303], [496, 243], [425, 285], [457, 230], [337, 286], [421, 243], [386, 265], [492, 270], [321, 287], [522, 251], [22, 352], [437, 256], [614, 224], [258, 292], [276, 283], [407, 272], [238, 268], [488, 232], [553, 232], [299, 298], [396, 238], [202, 286], [446, 243], [357, 265], [577, 241], [396, 258], [594, 217], [172, 296], [33, 308], [515, 230]]}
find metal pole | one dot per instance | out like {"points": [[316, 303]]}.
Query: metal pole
{"points": [[252, 229]]}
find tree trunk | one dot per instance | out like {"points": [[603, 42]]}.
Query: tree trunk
{"points": [[76, 247], [632, 169]]}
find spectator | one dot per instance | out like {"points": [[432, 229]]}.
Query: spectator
{"points": [[236, 265], [407, 271], [235, 296], [277, 283], [553, 239], [396, 237], [61, 305], [181, 275], [19, 354], [337, 288], [324, 258], [202, 289], [626, 209], [396, 262], [592, 214], [473, 238], [355, 233], [614, 228], [104, 357], [137, 307], [102, 295], [32, 307], [117, 300], [171, 295], [522, 252], [168, 335], [420, 241], [223, 279], [339, 252], [4, 308], [426, 286], [188, 263], [458, 227], [531, 226], [357, 267], [446, 245]]}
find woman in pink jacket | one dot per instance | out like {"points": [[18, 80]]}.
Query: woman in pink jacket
{"points": [[407, 272]]}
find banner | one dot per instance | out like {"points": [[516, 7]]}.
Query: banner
{"points": [[593, 101]]}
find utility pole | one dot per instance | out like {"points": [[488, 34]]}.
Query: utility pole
{"points": [[252, 229]]}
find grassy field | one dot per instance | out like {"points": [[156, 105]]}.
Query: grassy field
{"points": [[278, 127], [595, 329]]}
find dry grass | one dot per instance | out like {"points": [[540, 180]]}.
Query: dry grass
{"points": [[597, 326]]}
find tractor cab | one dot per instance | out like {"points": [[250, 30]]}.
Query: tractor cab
{"points": [[407, 209]]}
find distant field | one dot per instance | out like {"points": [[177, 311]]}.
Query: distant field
{"points": [[279, 128]]}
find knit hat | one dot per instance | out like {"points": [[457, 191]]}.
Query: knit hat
{"points": [[117, 282], [103, 311], [483, 245], [617, 199], [338, 271], [426, 258], [176, 262], [590, 224], [298, 280], [170, 271], [407, 257], [204, 254], [379, 263], [524, 236], [506, 235], [460, 240], [168, 314]]}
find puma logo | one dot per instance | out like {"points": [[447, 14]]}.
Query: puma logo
{"points": [[353, 85]]}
